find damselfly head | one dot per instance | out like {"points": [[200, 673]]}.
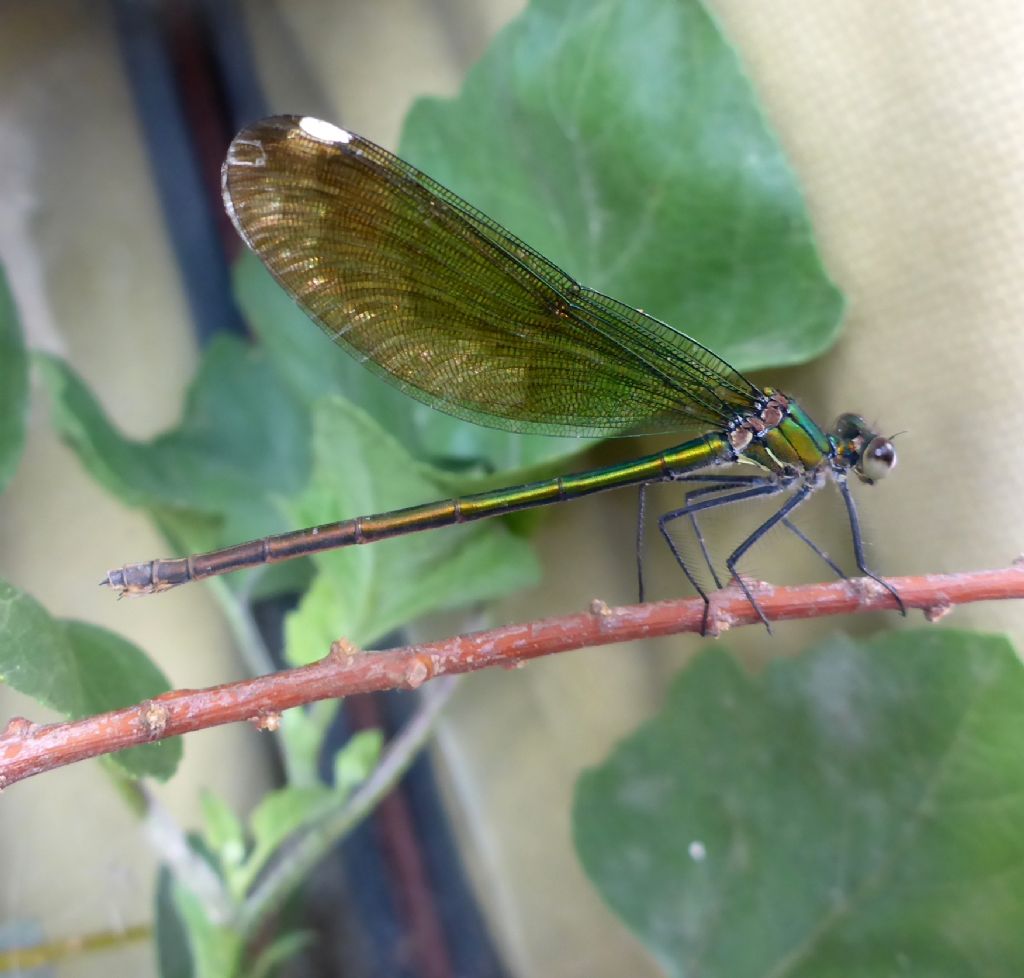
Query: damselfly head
{"points": [[870, 455]]}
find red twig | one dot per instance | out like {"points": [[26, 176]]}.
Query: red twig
{"points": [[27, 748]]}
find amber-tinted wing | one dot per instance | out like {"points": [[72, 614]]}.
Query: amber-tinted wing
{"points": [[444, 303]]}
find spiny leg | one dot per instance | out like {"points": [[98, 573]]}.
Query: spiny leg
{"points": [[640, 520], [723, 481], [858, 545], [789, 525], [765, 487], [699, 533], [777, 517], [720, 483], [716, 483]]}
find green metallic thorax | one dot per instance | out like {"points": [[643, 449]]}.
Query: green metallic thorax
{"points": [[796, 443]]}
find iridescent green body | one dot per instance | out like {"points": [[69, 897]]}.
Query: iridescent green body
{"points": [[158, 575], [448, 306], [792, 448]]}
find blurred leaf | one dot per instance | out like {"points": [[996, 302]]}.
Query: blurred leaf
{"points": [[222, 831], [114, 462], [242, 435], [13, 385], [623, 141], [174, 959], [283, 811], [280, 950], [216, 950], [288, 810], [36, 656], [79, 670], [307, 629], [354, 763], [274, 580], [277, 816], [854, 812], [362, 593], [215, 479], [113, 674], [302, 735], [191, 532]]}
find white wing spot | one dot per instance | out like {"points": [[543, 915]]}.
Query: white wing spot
{"points": [[325, 132], [240, 147]]}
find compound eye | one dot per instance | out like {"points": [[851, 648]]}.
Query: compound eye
{"points": [[848, 427], [877, 459]]}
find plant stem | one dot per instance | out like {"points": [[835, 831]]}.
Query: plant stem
{"points": [[298, 862]]}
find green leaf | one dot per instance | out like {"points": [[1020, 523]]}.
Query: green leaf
{"points": [[242, 436], [13, 385], [623, 141], [216, 949], [222, 831], [114, 462], [36, 656], [302, 737], [306, 629], [363, 593], [172, 951], [354, 763], [279, 815], [214, 479], [286, 811], [80, 670], [854, 812], [114, 673], [281, 949]]}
